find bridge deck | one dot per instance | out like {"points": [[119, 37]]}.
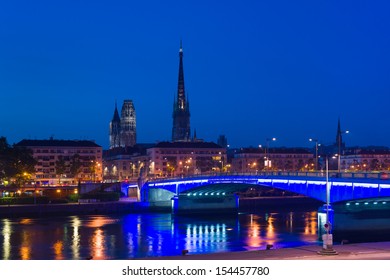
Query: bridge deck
{"points": [[343, 186]]}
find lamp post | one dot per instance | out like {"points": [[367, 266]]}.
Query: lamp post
{"points": [[316, 141], [221, 161], [339, 142], [327, 238], [267, 151]]}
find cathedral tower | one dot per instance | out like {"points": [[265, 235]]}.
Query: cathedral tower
{"points": [[339, 136], [181, 109], [115, 130], [128, 124]]}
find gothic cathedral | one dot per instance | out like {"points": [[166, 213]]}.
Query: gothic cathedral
{"points": [[123, 128]]}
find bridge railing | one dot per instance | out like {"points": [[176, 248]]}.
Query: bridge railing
{"points": [[320, 174]]}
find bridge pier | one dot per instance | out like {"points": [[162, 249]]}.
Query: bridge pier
{"points": [[185, 204]]}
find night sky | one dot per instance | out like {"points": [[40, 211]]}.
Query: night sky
{"points": [[252, 69]]}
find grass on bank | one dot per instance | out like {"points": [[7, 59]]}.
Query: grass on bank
{"points": [[23, 200]]}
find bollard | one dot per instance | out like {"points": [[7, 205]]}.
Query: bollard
{"points": [[184, 252]]}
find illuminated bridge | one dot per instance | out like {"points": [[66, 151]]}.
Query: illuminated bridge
{"points": [[218, 191]]}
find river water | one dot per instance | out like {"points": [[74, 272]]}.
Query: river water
{"points": [[153, 234]]}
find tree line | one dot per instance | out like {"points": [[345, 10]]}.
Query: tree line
{"points": [[17, 164]]}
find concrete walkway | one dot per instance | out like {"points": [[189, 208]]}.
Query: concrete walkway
{"points": [[358, 251]]}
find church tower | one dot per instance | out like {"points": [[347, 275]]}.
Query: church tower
{"points": [[339, 136], [115, 130], [181, 109], [128, 124]]}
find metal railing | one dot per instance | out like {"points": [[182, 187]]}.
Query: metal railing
{"points": [[307, 174]]}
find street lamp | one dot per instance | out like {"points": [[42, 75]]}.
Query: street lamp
{"points": [[267, 161], [339, 142], [316, 141], [327, 238]]}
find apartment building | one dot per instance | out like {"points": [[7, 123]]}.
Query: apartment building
{"points": [[65, 162]]}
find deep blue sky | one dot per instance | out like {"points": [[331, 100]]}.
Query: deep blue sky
{"points": [[253, 69]]}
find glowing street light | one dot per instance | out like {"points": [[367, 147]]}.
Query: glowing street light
{"points": [[316, 141], [327, 238], [267, 161]]}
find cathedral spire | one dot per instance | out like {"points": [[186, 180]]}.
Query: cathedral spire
{"points": [[181, 96], [339, 139], [181, 113], [116, 114], [115, 129]]}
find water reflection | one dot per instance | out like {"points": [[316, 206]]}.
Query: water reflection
{"points": [[145, 235], [310, 223], [75, 244], [6, 233], [200, 238], [254, 229], [58, 248], [97, 244]]}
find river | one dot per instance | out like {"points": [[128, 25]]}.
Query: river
{"points": [[145, 235]]}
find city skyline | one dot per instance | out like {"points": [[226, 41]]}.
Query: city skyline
{"points": [[253, 70]]}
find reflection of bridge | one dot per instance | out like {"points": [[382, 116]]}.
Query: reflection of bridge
{"points": [[205, 190]]}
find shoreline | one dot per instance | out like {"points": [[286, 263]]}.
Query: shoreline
{"points": [[353, 251]]}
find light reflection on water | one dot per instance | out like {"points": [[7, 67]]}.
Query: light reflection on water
{"points": [[146, 235]]}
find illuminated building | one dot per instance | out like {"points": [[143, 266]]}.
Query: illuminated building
{"points": [[252, 160], [169, 159], [125, 163], [366, 159], [81, 161]]}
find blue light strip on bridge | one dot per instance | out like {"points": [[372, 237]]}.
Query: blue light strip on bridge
{"points": [[297, 182], [178, 182], [341, 189]]}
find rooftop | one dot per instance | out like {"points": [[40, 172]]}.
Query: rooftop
{"points": [[280, 150], [189, 145], [57, 143]]}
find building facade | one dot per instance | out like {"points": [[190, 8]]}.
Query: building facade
{"points": [[363, 159], [65, 162], [252, 160], [123, 132], [174, 159], [181, 130], [125, 163]]}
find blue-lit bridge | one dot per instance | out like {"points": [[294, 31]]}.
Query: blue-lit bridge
{"points": [[218, 190]]}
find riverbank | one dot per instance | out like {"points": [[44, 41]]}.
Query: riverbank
{"points": [[64, 209], [358, 251]]}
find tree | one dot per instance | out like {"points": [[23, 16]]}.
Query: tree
{"points": [[16, 162], [374, 164], [92, 169], [171, 165], [60, 168], [205, 164], [75, 166], [288, 165], [301, 165], [4, 157]]}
